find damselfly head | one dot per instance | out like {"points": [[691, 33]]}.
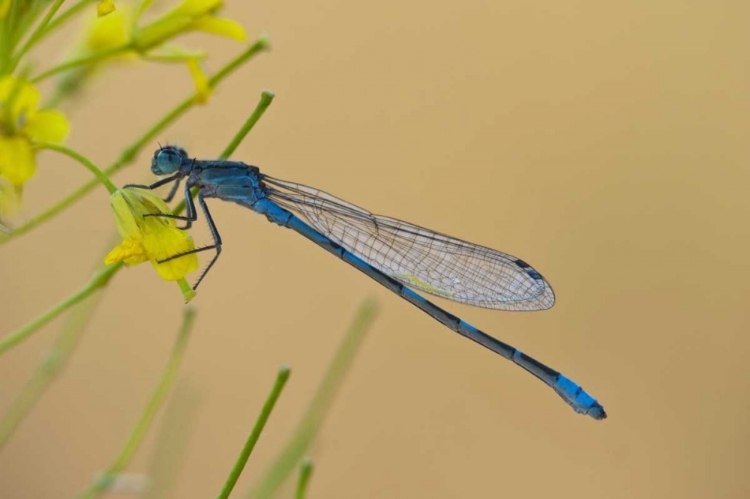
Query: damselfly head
{"points": [[167, 160]]}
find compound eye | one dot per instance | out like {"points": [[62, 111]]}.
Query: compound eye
{"points": [[167, 160]]}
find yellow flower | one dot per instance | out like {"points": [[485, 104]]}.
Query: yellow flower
{"points": [[190, 15], [105, 7], [151, 239], [20, 124], [120, 30]]}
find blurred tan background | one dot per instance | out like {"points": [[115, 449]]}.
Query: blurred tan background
{"points": [[604, 144]]}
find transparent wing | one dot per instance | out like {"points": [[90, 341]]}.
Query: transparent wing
{"points": [[418, 257]]}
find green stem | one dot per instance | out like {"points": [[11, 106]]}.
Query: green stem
{"points": [[49, 367], [306, 469], [149, 412], [311, 422], [99, 280], [173, 59], [129, 153], [104, 179], [260, 423], [266, 98], [143, 5], [172, 442], [37, 34], [62, 18], [89, 59], [260, 45]]}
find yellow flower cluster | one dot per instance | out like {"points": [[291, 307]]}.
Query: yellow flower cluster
{"points": [[116, 32], [120, 34]]}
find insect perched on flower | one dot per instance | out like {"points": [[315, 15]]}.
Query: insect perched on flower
{"points": [[151, 238]]}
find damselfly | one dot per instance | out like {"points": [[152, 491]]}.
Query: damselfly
{"points": [[396, 254]]}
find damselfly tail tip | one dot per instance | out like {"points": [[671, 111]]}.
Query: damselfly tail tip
{"points": [[597, 412]]}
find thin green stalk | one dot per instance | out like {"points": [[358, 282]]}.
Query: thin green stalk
{"points": [[173, 439], [266, 98], [13, 23], [104, 179], [139, 10], [260, 423], [99, 280], [89, 59], [149, 412], [311, 422], [305, 471], [260, 45], [38, 33], [129, 153], [49, 367], [62, 18]]}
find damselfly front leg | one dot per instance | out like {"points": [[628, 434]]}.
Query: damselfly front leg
{"points": [[189, 218], [176, 179]]}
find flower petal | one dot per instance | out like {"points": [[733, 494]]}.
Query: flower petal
{"points": [[202, 86], [194, 8], [19, 100], [48, 125], [129, 251], [27, 98], [221, 26], [130, 205], [167, 243], [17, 159], [127, 225], [150, 238]]}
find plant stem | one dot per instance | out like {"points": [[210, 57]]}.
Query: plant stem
{"points": [[306, 469], [89, 59], [171, 448], [149, 412], [62, 18], [104, 179], [260, 423], [129, 153], [99, 280], [311, 422], [260, 45], [266, 98], [49, 367], [37, 34]]}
